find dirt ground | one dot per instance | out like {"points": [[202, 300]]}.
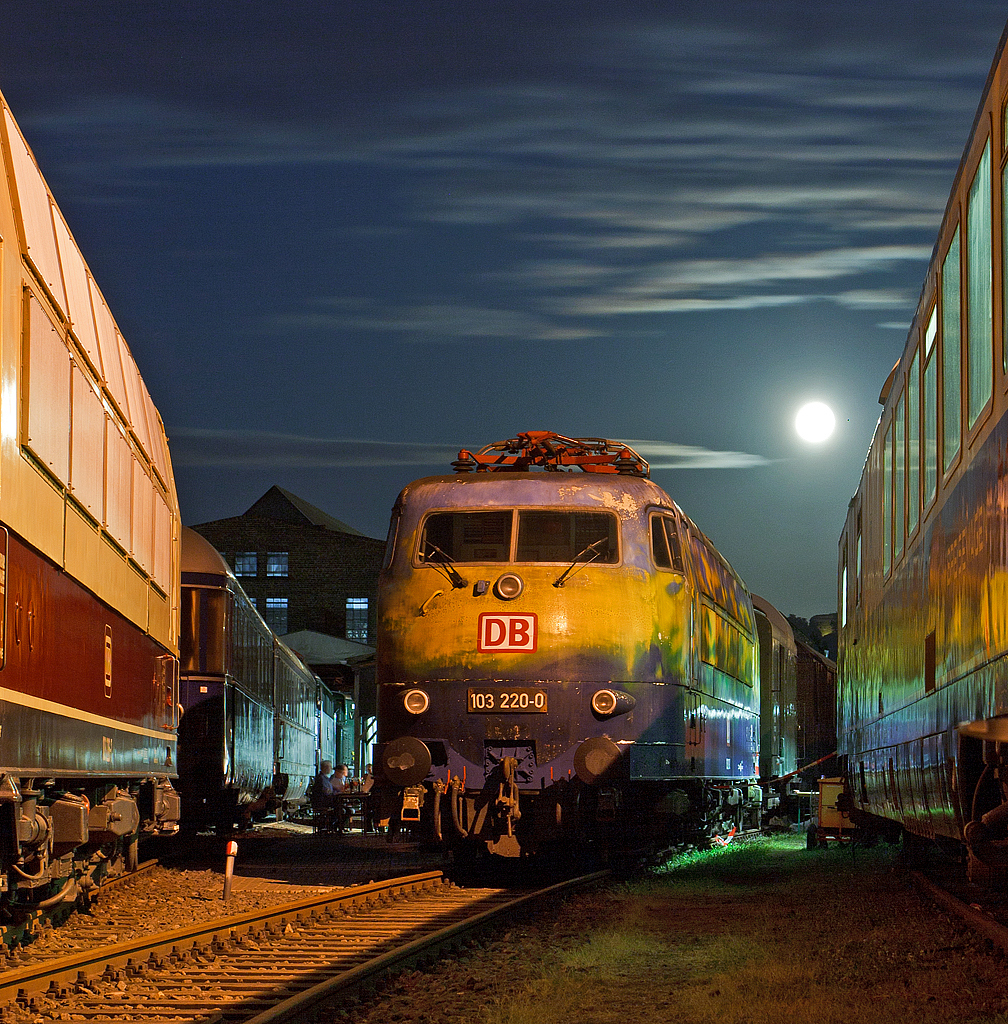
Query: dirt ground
{"points": [[766, 932]]}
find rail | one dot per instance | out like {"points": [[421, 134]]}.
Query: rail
{"points": [[270, 965]]}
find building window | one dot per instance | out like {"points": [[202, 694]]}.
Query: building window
{"points": [[276, 614], [276, 563], [356, 618], [246, 563]]}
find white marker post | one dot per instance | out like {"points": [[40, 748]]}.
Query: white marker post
{"points": [[232, 852]]}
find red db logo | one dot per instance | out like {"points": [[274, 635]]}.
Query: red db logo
{"points": [[507, 632]]}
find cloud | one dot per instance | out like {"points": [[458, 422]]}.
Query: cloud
{"points": [[433, 324], [664, 455], [247, 448]]}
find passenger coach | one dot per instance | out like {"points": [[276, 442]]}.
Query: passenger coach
{"points": [[89, 566], [923, 561]]}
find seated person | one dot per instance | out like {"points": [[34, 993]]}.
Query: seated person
{"points": [[322, 788], [339, 779], [341, 787]]}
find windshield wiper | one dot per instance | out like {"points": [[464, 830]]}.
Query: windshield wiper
{"points": [[445, 567], [596, 546]]}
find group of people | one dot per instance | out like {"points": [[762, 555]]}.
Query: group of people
{"points": [[332, 783]]}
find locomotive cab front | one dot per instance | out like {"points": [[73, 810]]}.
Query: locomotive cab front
{"points": [[536, 676]]}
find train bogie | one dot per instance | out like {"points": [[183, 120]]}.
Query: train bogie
{"points": [[561, 654]]}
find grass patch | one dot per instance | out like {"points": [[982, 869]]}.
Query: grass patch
{"points": [[759, 932]]}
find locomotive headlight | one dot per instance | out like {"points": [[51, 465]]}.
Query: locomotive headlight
{"points": [[509, 586], [604, 702], [416, 702]]}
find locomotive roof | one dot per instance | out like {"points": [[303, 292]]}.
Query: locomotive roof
{"points": [[605, 491]]}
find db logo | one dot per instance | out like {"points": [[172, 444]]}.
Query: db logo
{"points": [[507, 632]]}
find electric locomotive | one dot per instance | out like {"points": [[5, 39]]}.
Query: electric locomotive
{"points": [[923, 559], [562, 655], [89, 569]]}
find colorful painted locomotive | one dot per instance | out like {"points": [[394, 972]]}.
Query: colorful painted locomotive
{"points": [[249, 732], [923, 566], [89, 566], [562, 655]]}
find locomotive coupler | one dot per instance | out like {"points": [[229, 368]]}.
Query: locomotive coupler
{"points": [[413, 798], [509, 801]]}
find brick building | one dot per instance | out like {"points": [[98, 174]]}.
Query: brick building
{"points": [[303, 569]]}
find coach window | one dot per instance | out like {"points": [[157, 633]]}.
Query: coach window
{"points": [[979, 317], [857, 563], [913, 444], [887, 502], [1004, 256], [951, 355], [930, 403], [899, 523], [843, 584]]}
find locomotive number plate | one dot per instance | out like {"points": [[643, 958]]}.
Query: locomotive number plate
{"points": [[499, 700]]}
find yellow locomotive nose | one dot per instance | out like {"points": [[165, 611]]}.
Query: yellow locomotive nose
{"points": [[561, 650]]}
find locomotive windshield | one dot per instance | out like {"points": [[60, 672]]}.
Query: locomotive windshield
{"points": [[562, 536], [543, 535], [467, 537]]}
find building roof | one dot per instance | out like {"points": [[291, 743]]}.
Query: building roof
{"points": [[320, 649], [282, 506]]}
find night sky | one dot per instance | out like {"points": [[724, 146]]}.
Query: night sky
{"points": [[344, 240]]}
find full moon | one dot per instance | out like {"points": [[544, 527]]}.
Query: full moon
{"points": [[815, 422]]}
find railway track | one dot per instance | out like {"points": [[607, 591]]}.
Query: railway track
{"points": [[977, 918], [281, 964]]}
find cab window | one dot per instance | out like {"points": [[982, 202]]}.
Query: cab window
{"points": [[466, 537], [556, 536], [665, 546]]}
